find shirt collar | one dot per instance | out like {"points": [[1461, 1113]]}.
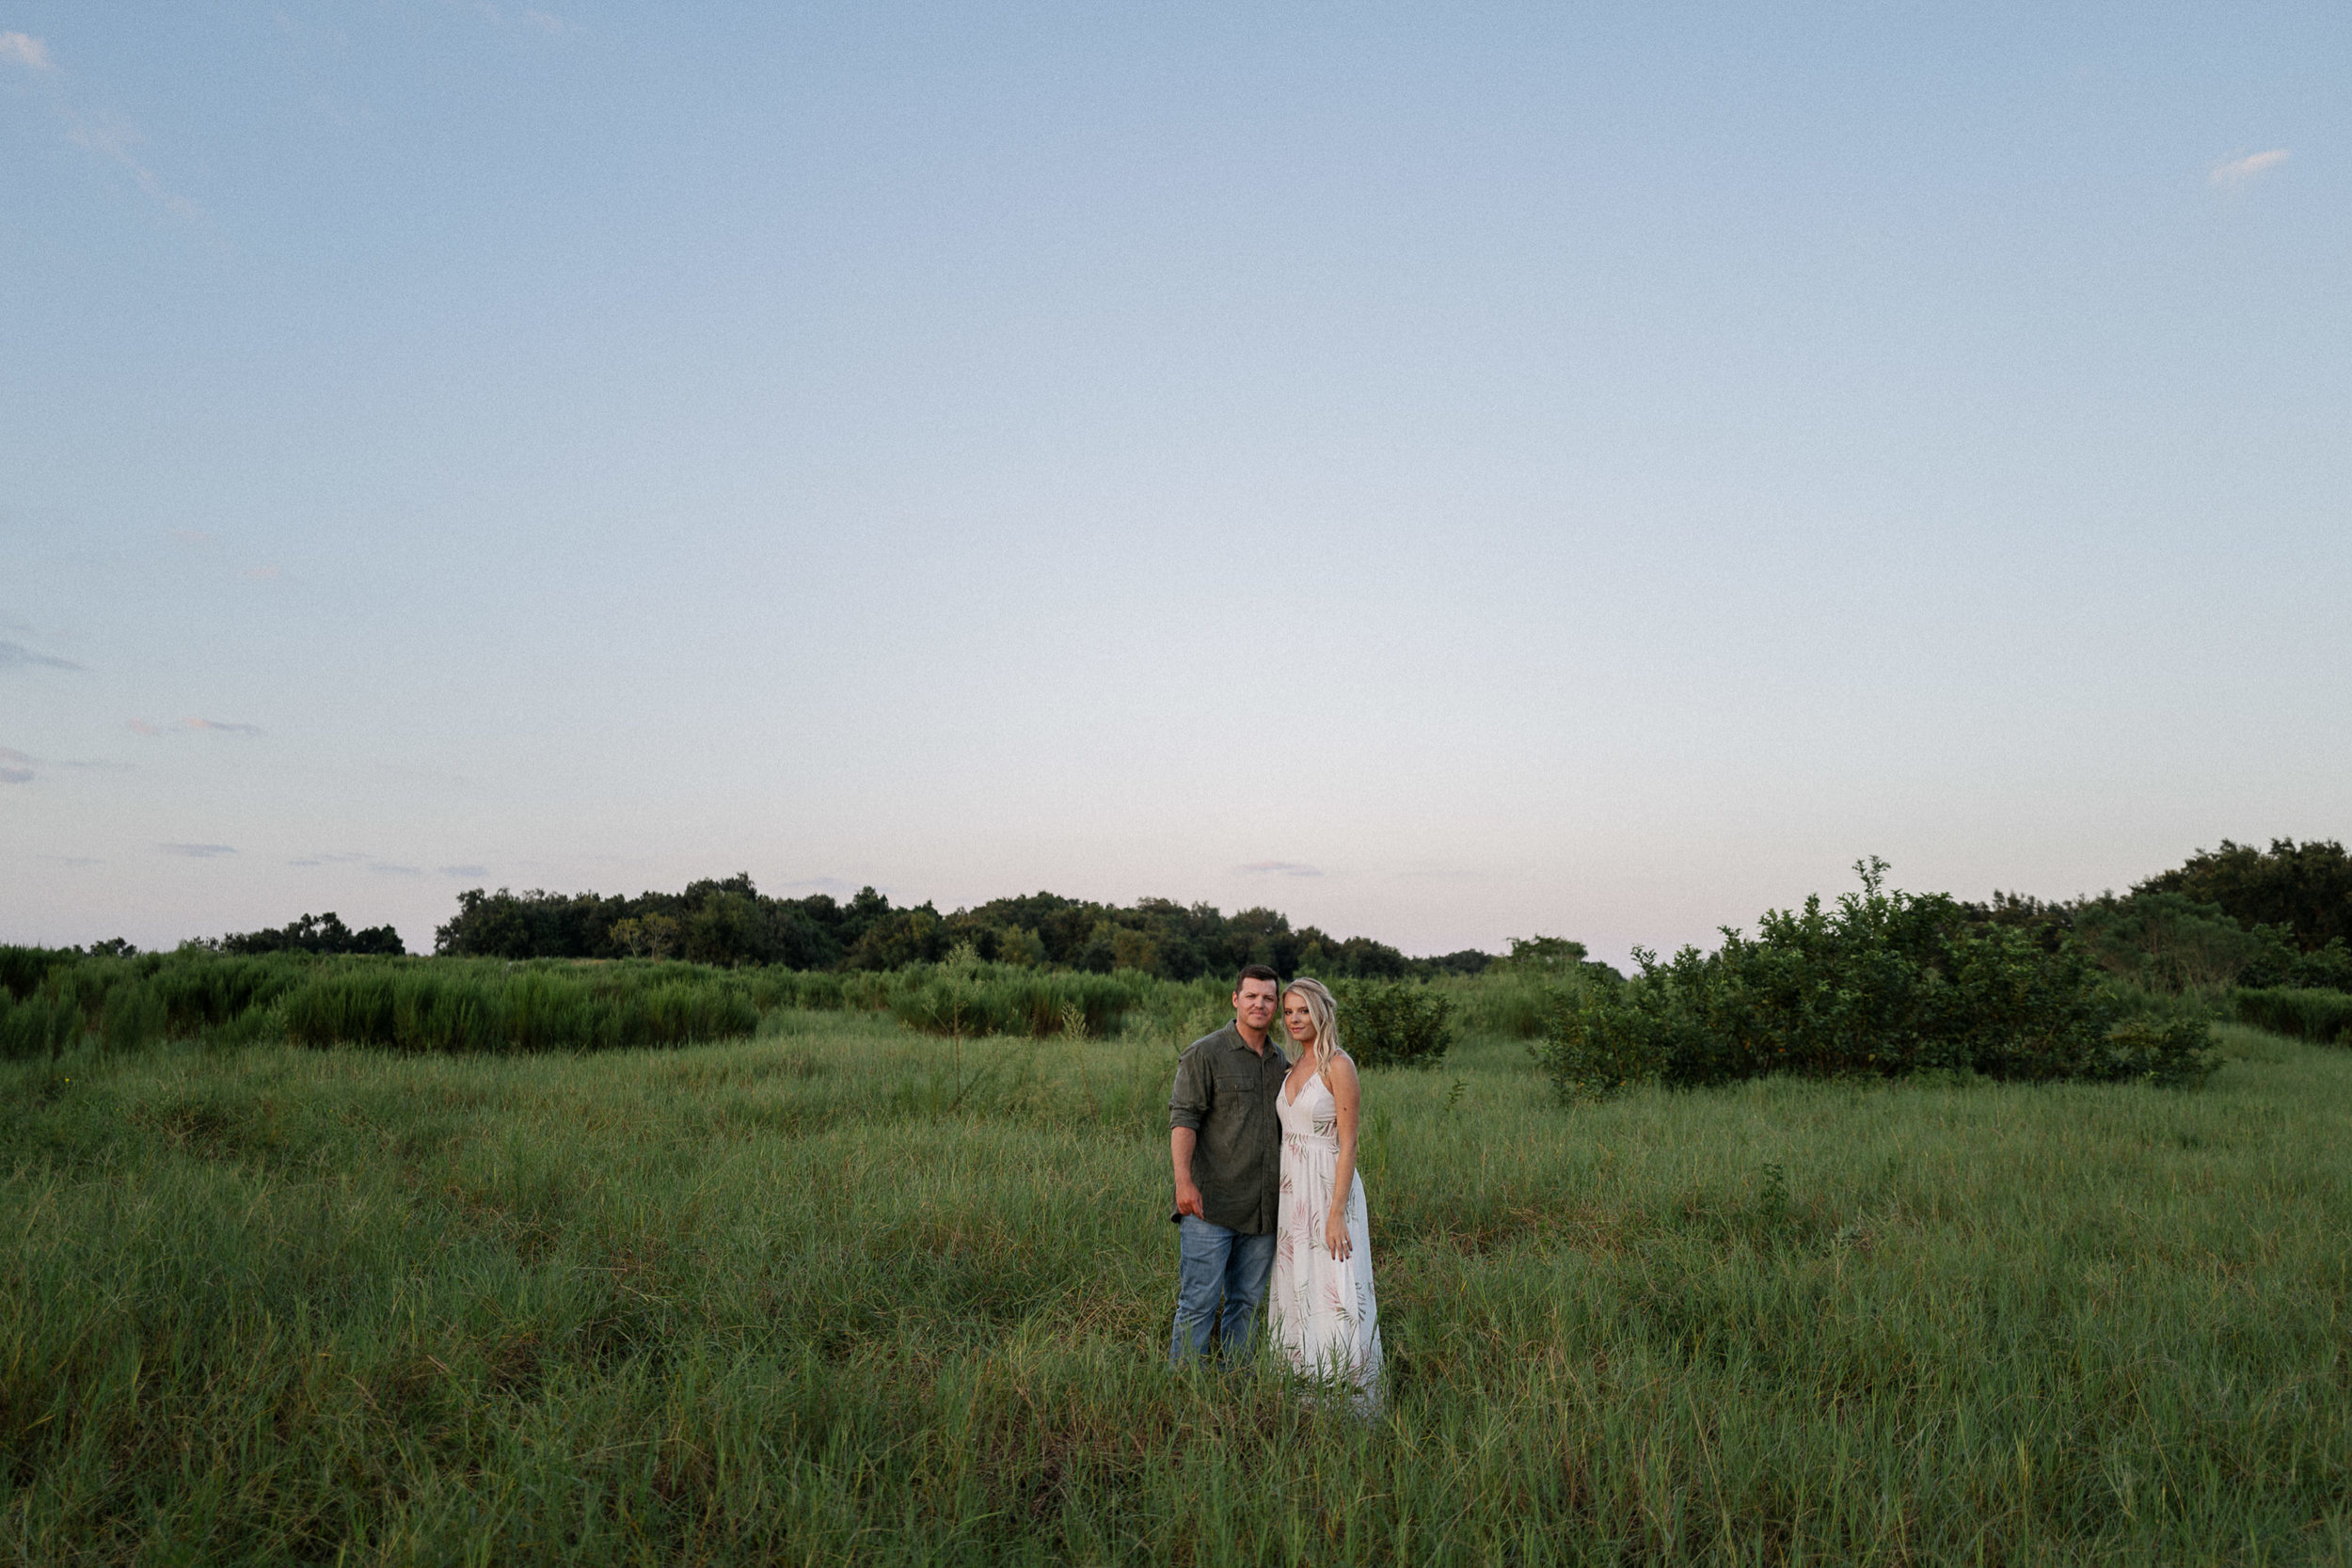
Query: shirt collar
{"points": [[1273, 1052]]}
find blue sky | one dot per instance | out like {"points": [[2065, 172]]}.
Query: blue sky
{"points": [[1449, 472]]}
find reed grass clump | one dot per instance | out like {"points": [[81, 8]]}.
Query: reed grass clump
{"points": [[54, 999], [974, 998], [494, 1007], [2325, 1016]]}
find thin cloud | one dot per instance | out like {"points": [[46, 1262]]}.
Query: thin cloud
{"points": [[1281, 868], [2237, 172], [463, 870], [113, 137], [218, 725], [26, 50], [17, 652], [195, 536], [70, 860], [382, 870], [261, 574], [17, 767], [196, 851], [140, 726], [546, 22], [109, 135]]}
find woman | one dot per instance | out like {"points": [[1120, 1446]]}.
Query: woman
{"points": [[1322, 1313]]}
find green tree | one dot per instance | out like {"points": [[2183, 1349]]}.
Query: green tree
{"points": [[2304, 887], [316, 933]]}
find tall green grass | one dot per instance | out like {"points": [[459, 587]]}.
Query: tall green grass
{"points": [[1002, 998], [51, 1002], [2313, 1015], [1508, 1003], [54, 1000], [845, 1294]]}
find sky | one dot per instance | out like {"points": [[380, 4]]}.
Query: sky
{"points": [[1449, 472]]}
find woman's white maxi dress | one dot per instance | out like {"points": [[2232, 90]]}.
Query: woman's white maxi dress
{"points": [[1323, 1313]]}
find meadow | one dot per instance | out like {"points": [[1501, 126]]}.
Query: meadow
{"points": [[848, 1291]]}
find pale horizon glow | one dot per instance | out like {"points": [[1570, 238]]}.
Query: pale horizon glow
{"points": [[1448, 473]]}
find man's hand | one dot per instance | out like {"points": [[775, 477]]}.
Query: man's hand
{"points": [[1180, 1142]]}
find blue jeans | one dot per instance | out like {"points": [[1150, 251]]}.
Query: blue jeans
{"points": [[1216, 1268]]}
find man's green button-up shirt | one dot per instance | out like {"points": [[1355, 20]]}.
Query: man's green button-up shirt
{"points": [[1225, 1092]]}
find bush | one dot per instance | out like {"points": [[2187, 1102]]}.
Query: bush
{"points": [[2325, 1016], [2174, 1049], [1401, 1024], [2168, 942], [1597, 1045], [1885, 984], [2328, 968]]}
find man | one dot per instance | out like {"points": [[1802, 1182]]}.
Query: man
{"points": [[1226, 1142]]}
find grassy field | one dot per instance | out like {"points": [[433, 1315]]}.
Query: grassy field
{"points": [[845, 1292]]}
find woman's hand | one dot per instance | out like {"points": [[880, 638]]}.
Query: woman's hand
{"points": [[1335, 1236]]}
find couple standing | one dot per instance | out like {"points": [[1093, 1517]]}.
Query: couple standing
{"points": [[1264, 1151]]}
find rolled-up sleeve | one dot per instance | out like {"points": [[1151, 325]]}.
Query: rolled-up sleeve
{"points": [[1188, 1101]]}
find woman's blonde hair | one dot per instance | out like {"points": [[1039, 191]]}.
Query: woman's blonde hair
{"points": [[1324, 1009]]}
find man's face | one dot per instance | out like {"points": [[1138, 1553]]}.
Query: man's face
{"points": [[1255, 1002]]}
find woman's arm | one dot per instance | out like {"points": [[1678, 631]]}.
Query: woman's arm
{"points": [[1349, 1093]]}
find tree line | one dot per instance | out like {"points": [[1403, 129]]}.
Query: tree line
{"points": [[2231, 916], [730, 921]]}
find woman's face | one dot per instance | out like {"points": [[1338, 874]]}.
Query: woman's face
{"points": [[1297, 1019]]}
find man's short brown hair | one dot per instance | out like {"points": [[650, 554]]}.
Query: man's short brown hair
{"points": [[1256, 972]]}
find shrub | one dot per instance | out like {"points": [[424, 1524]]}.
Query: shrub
{"points": [[2168, 942], [1399, 1023], [1597, 1045], [2327, 967], [2174, 1049], [1887, 984], [2325, 1016]]}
